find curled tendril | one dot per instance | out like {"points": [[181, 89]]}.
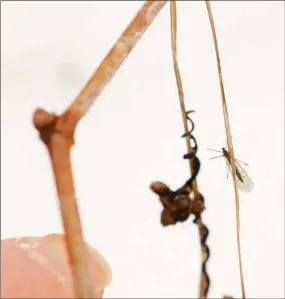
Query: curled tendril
{"points": [[180, 204], [204, 232]]}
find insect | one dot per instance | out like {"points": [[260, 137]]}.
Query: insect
{"points": [[245, 183]]}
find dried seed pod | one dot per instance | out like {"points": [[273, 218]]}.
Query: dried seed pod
{"points": [[197, 206], [167, 218], [160, 188]]}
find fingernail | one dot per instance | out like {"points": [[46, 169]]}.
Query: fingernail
{"points": [[28, 273], [43, 256]]}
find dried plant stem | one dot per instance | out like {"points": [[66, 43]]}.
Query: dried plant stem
{"points": [[112, 62], [178, 78], [60, 156], [57, 132], [204, 284], [229, 142], [59, 145]]}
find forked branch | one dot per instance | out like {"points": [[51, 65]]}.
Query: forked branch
{"points": [[57, 132]]}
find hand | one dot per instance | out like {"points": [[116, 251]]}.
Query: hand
{"points": [[35, 267]]}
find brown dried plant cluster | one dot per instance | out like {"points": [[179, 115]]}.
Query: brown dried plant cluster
{"points": [[178, 205], [57, 133]]}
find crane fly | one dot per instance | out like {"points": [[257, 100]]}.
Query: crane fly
{"points": [[245, 183]]}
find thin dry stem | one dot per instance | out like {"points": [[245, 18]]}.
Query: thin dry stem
{"points": [[59, 145], [111, 62], [203, 279], [179, 81], [57, 133], [229, 142], [59, 150]]}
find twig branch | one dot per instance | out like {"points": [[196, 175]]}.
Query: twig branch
{"points": [[57, 133], [59, 144], [204, 279], [111, 62], [229, 142]]}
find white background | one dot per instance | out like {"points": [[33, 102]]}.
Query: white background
{"points": [[131, 137]]}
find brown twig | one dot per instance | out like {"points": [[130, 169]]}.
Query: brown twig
{"points": [[57, 132], [59, 144], [229, 142], [112, 62], [204, 279]]}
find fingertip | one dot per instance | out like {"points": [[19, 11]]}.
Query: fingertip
{"points": [[38, 268]]}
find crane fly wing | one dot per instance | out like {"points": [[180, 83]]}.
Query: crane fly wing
{"points": [[245, 183]]}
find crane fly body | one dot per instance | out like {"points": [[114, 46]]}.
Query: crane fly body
{"points": [[245, 183]]}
